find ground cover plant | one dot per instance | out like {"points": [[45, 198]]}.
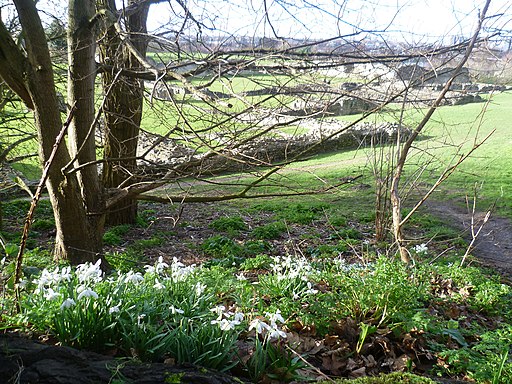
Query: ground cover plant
{"points": [[316, 297]]}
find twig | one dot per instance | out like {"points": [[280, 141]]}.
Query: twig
{"points": [[310, 365], [475, 233], [33, 205]]}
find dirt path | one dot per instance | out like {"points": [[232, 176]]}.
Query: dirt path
{"points": [[494, 243]]}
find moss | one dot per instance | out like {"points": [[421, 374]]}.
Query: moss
{"points": [[392, 378], [174, 378]]}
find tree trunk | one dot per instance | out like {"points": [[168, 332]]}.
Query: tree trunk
{"points": [[396, 210], [81, 84], [123, 111]]}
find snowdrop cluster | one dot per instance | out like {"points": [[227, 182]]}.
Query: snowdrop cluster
{"points": [[89, 273], [227, 321], [177, 271], [49, 280], [271, 330], [288, 267], [421, 248]]}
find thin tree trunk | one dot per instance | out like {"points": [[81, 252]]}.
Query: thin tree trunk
{"points": [[403, 154]]}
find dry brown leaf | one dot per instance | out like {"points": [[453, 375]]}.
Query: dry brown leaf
{"points": [[402, 363], [333, 364], [360, 372]]}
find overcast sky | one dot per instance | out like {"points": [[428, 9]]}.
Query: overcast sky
{"points": [[412, 20]]}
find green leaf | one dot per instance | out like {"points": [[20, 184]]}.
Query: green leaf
{"points": [[455, 335]]}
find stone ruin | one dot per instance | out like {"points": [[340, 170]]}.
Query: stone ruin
{"points": [[343, 106], [328, 135]]}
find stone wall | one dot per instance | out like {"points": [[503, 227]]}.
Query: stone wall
{"points": [[322, 136]]}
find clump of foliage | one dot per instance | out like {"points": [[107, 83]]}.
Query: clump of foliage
{"points": [[114, 235], [269, 231], [229, 224]]}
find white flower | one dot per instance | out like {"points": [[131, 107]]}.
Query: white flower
{"points": [[114, 309], [218, 310], [87, 293], [51, 294], [200, 288], [258, 325], [225, 324], [89, 272], [274, 317], [158, 268], [310, 289], [275, 333], [140, 321], [175, 310], [239, 316], [241, 277], [158, 285], [65, 274], [2, 262], [68, 303], [421, 248], [133, 277]]}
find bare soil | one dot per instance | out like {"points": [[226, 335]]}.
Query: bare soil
{"points": [[493, 243]]}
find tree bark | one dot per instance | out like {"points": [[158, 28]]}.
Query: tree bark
{"points": [[81, 86], [123, 111], [72, 239]]}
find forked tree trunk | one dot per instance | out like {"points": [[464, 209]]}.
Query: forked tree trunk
{"points": [[123, 111], [73, 240]]}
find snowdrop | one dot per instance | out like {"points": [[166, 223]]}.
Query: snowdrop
{"points": [[239, 316], [311, 290], [225, 324], [114, 309], [50, 294], [133, 277], [276, 333], [89, 272], [87, 293], [140, 321], [68, 303], [175, 310], [274, 317], [258, 325], [219, 311], [421, 248], [158, 285], [200, 288], [158, 268]]}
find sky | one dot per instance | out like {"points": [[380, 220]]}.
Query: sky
{"points": [[409, 20]]}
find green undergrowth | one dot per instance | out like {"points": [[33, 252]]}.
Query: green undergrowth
{"points": [[271, 305]]}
